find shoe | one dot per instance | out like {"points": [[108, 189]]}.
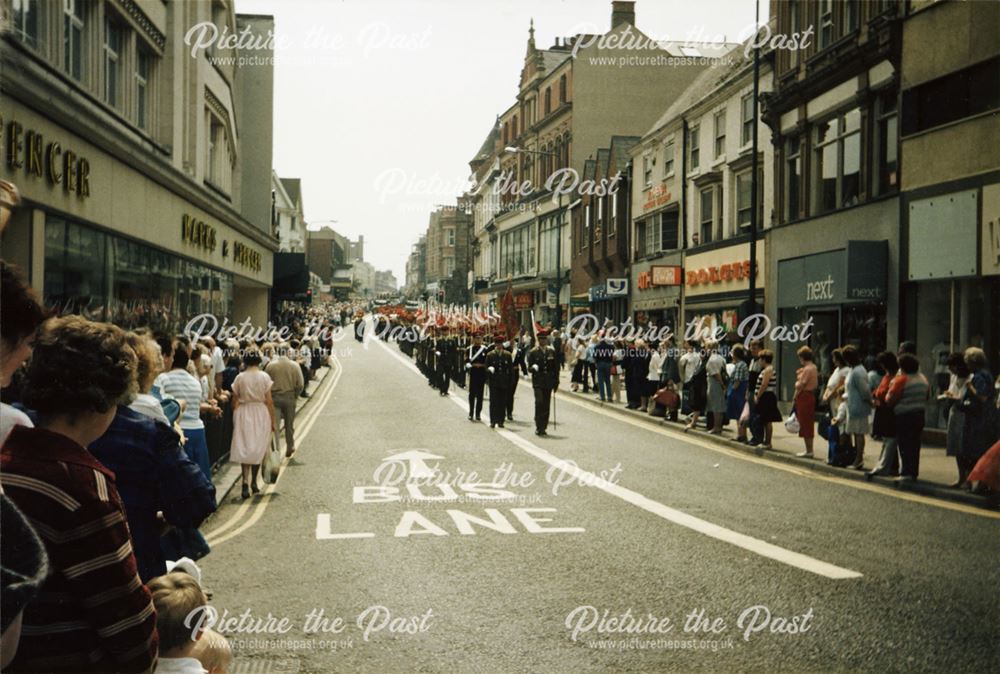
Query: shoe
{"points": [[876, 473], [470, 417], [806, 455], [478, 418], [494, 425], [245, 492], [254, 488], [290, 453], [541, 433], [688, 427], [907, 478], [510, 418], [500, 425]]}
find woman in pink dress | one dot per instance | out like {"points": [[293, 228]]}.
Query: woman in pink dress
{"points": [[253, 419]]}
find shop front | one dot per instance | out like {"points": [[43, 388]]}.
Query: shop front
{"points": [[609, 301], [656, 292], [717, 287], [840, 295], [952, 296], [103, 239]]}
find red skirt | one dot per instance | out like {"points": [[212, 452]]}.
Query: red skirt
{"points": [[805, 412], [987, 469]]}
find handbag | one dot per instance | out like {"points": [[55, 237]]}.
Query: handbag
{"points": [[272, 461], [668, 398], [792, 423]]}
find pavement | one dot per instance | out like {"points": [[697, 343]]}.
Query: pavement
{"points": [[937, 470], [403, 538]]}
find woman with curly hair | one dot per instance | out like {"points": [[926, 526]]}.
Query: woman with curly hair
{"points": [[79, 374]]}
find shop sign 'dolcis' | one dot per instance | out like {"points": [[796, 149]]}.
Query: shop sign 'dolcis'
{"points": [[736, 271], [26, 149]]}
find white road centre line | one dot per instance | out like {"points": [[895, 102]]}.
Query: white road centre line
{"points": [[699, 525]]}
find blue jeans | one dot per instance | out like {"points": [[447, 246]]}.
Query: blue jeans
{"points": [[604, 380], [196, 448]]}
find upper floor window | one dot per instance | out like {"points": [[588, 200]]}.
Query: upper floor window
{"points": [[599, 229], [851, 14], [793, 178], [548, 100], [746, 119], [744, 194], [720, 133], [449, 236], [887, 145], [825, 23], [794, 10], [693, 149], [562, 89], [113, 42], [668, 158], [707, 216], [219, 169], [74, 13], [143, 73], [836, 175], [647, 170], [613, 220], [25, 21]]}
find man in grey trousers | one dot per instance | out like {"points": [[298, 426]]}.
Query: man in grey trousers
{"points": [[288, 384]]}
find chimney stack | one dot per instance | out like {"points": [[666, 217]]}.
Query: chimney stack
{"points": [[622, 11]]}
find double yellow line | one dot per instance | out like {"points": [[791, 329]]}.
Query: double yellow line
{"points": [[256, 507]]}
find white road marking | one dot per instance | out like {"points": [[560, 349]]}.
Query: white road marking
{"points": [[715, 531]]}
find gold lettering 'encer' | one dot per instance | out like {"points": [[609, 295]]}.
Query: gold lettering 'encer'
{"points": [[25, 148]]}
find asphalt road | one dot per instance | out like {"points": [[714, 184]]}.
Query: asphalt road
{"points": [[788, 570]]}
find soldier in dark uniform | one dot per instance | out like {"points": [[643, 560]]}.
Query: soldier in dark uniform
{"points": [[544, 369], [500, 367], [460, 354], [518, 368], [475, 363], [442, 363]]}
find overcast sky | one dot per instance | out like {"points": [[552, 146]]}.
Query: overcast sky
{"points": [[380, 104]]}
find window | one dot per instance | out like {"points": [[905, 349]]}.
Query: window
{"points": [[693, 147], [517, 251], [219, 169], [958, 95], [647, 169], [837, 162], [793, 178], [746, 117], [825, 23], [707, 219], [143, 61], [850, 16], [668, 158], [613, 220], [73, 51], [653, 238], [887, 166], [549, 244], [112, 61], [24, 21], [586, 228], [449, 236], [548, 100], [449, 266], [744, 191], [562, 89], [670, 230], [720, 133], [793, 29], [599, 229]]}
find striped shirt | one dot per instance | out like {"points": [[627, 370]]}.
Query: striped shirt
{"points": [[907, 393], [181, 385], [93, 614]]}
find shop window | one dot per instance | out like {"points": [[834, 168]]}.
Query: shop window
{"points": [[75, 269], [113, 41], [837, 162], [746, 119], [668, 158], [25, 20], [887, 145], [720, 133], [793, 177], [693, 149], [74, 52]]}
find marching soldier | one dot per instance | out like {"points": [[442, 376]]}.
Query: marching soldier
{"points": [[475, 363], [518, 368], [544, 369], [442, 364], [500, 368]]}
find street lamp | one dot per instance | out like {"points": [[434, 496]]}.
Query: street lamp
{"points": [[515, 150]]}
